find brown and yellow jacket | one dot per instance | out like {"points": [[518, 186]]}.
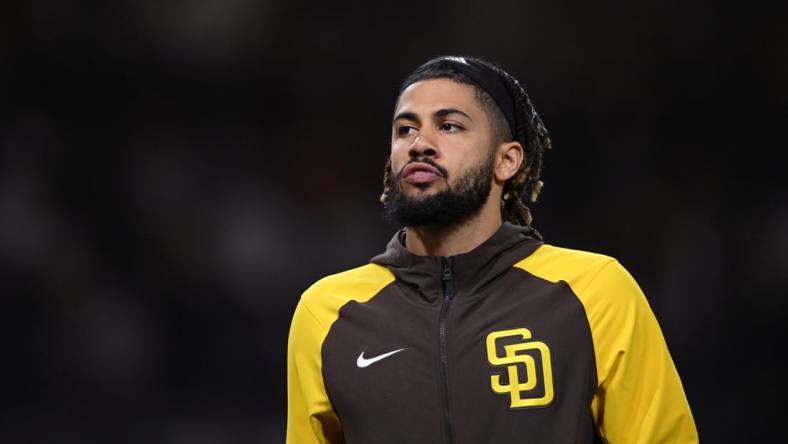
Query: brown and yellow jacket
{"points": [[515, 341]]}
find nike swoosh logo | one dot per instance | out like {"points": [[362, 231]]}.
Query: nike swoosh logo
{"points": [[362, 362]]}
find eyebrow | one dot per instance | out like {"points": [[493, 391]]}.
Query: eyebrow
{"points": [[443, 112]]}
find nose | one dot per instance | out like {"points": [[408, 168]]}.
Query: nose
{"points": [[421, 147]]}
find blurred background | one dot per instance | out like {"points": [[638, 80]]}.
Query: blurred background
{"points": [[174, 174]]}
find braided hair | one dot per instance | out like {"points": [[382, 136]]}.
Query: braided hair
{"points": [[530, 131]]}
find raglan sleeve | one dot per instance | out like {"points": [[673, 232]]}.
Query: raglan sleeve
{"points": [[639, 397], [310, 417]]}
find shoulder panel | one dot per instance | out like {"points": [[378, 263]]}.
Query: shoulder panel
{"points": [[326, 296], [576, 268]]}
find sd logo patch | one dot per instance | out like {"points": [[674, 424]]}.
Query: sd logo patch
{"points": [[521, 357]]}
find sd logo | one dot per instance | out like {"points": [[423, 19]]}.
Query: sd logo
{"points": [[519, 352]]}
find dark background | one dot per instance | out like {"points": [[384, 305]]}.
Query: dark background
{"points": [[174, 174]]}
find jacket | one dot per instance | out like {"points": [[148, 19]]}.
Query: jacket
{"points": [[515, 341]]}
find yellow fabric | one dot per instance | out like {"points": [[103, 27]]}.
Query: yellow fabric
{"points": [[310, 417], [639, 398]]}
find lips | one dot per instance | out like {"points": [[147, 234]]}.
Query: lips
{"points": [[420, 172]]}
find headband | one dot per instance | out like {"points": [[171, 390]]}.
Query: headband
{"points": [[487, 79]]}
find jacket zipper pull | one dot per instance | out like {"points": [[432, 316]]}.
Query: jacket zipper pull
{"points": [[448, 279]]}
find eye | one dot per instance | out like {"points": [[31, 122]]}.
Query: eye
{"points": [[450, 127], [405, 130]]}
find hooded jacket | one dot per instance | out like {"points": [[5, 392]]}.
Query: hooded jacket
{"points": [[514, 341]]}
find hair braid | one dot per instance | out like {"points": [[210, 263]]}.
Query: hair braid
{"points": [[386, 181], [532, 134]]}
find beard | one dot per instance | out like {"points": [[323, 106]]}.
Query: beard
{"points": [[450, 206]]}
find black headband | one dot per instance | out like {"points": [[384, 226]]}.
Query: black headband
{"points": [[487, 79]]}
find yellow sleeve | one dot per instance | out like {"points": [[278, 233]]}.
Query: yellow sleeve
{"points": [[310, 417], [639, 398]]}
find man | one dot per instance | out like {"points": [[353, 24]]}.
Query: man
{"points": [[468, 328]]}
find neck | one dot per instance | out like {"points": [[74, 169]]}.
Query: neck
{"points": [[454, 239]]}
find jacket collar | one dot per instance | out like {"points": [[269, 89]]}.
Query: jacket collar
{"points": [[471, 270]]}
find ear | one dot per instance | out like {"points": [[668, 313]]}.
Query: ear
{"points": [[509, 157]]}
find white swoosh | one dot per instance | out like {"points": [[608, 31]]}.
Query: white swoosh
{"points": [[362, 362]]}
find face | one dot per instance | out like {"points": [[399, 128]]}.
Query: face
{"points": [[442, 154]]}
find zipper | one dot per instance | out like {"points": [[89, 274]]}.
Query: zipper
{"points": [[447, 279]]}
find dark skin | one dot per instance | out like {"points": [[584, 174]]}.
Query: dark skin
{"points": [[442, 120]]}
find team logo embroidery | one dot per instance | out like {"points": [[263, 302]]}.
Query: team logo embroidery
{"points": [[521, 356]]}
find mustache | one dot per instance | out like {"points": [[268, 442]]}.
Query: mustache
{"points": [[428, 161]]}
